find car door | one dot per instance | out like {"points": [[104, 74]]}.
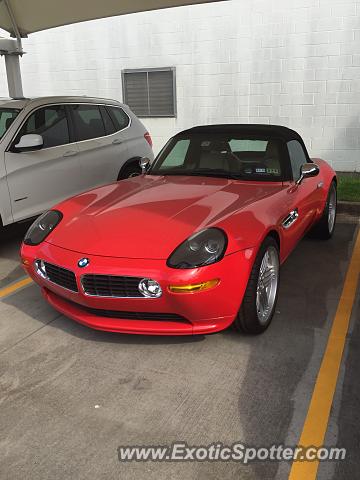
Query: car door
{"points": [[38, 179], [102, 150], [301, 198]]}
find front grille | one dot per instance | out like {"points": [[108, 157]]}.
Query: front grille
{"points": [[164, 317], [111, 286], [61, 276]]}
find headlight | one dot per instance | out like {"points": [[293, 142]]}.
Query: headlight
{"points": [[42, 226], [203, 248]]}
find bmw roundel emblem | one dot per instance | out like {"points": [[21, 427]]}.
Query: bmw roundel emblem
{"points": [[83, 262]]}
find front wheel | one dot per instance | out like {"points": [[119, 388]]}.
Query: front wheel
{"points": [[261, 293], [325, 227]]}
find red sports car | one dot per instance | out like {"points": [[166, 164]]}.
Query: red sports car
{"points": [[195, 243]]}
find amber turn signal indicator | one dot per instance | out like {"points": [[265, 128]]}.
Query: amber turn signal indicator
{"points": [[195, 287]]}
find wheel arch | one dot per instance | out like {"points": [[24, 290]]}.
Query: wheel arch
{"points": [[130, 161], [275, 235]]}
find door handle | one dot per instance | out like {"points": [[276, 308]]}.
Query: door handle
{"points": [[117, 141], [70, 153], [290, 219]]}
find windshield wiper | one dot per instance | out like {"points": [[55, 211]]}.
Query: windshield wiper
{"points": [[199, 172], [215, 172]]}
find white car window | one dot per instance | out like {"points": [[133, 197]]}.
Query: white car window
{"points": [[7, 116], [120, 117], [88, 122], [50, 122]]}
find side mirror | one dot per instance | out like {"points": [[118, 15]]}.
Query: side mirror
{"points": [[144, 164], [308, 170], [31, 141]]}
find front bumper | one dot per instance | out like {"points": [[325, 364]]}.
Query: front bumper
{"points": [[203, 312]]}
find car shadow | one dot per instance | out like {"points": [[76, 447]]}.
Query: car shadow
{"points": [[10, 241], [42, 312], [86, 333], [13, 233]]}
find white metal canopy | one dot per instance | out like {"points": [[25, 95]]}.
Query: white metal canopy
{"points": [[29, 16]]}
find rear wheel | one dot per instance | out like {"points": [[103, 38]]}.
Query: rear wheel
{"points": [[261, 293], [324, 229], [131, 170]]}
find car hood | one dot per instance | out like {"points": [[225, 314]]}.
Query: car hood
{"points": [[148, 217]]}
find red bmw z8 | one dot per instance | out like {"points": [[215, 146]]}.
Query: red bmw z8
{"points": [[195, 243]]}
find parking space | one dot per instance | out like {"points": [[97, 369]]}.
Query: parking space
{"points": [[70, 395], [226, 82]]}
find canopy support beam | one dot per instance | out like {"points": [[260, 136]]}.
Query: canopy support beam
{"points": [[13, 74], [12, 51]]}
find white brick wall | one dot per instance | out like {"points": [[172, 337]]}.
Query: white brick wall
{"points": [[290, 62]]}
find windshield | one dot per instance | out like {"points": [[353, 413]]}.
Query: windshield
{"points": [[7, 116], [221, 155]]}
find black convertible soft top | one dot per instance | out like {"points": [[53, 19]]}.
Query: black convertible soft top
{"points": [[253, 129]]}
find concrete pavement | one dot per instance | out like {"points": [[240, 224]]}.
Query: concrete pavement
{"points": [[156, 390]]}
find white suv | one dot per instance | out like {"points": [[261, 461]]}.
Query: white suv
{"points": [[55, 147]]}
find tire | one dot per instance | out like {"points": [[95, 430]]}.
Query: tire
{"points": [[131, 170], [252, 317], [325, 227]]}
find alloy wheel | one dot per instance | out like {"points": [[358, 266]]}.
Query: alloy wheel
{"points": [[267, 284], [332, 209]]}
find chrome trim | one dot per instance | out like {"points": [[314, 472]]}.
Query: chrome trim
{"points": [[38, 269], [41, 275], [308, 170], [114, 296], [144, 164], [149, 295], [290, 219]]}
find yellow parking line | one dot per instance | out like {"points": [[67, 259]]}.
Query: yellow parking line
{"points": [[316, 421], [14, 287]]}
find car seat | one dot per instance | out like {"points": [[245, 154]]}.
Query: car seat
{"points": [[215, 154], [271, 159]]}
